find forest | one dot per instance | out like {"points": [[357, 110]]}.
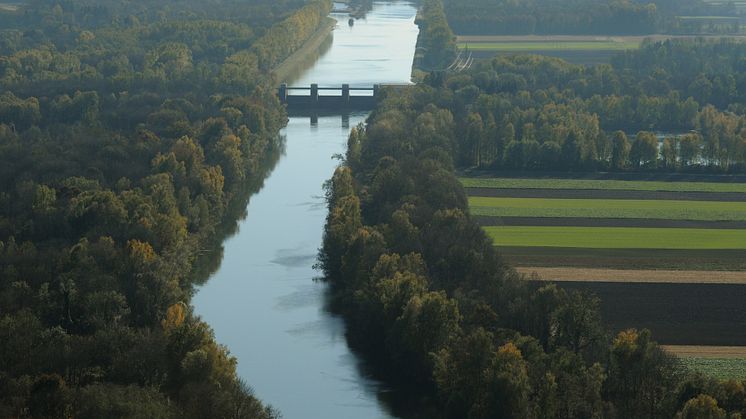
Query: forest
{"points": [[131, 135], [674, 105], [578, 17], [429, 300]]}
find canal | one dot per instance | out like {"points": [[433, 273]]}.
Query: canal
{"points": [[263, 302]]}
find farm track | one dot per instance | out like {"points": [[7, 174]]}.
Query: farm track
{"points": [[703, 351], [606, 194], [564, 274], [677, 314], [486, 221]]}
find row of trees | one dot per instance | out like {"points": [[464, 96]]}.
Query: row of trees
{"points": [[127, 153], [579, 17], [539, 113], [436, 43]]}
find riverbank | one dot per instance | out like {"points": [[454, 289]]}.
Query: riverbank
{"points": [[284, 72]]}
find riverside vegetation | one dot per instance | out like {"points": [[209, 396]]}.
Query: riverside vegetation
{"points": [[130, 137], [425, 294]]}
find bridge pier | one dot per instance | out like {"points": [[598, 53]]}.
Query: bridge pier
{"points": [[283, 93], [314, 93], [345, 94]]}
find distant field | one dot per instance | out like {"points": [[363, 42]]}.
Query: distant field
{"points": [[662, 252], [529, 46], [716, 260], [617, 237], [608, 208], [722, 369], [563, 274], [602, 184]]}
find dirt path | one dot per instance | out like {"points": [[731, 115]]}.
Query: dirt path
{"points": [[717, 352], [640, 276]]}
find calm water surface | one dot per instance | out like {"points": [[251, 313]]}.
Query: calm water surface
{"points": [[263, 303]]}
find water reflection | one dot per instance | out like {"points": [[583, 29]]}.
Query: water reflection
{"points": [[262, 302]]}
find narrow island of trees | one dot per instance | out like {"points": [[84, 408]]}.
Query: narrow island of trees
{"points": [[429, 300]]}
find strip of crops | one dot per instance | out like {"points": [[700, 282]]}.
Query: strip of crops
{"points": [[618, 237], [723, 369], [608, 208], [602, 184], [551, 46]]}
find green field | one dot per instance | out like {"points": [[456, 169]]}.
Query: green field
{"points": [[551, 46], [723, 369], [608, 208], [618, 237], [602, 184]]}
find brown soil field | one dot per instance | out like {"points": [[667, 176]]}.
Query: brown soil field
{"points": [[605, 222], [677, 314], [702, 260], [637, 276], [581, 38], [714, 352], [606, 194]]}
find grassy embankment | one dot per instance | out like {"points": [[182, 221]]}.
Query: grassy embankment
{"points": [[288, 68]]}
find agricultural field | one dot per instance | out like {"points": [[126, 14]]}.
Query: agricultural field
{"points": [[608, 208], [578, 49], [721, 362], [618, 237], [635, 243], [597, 184]]}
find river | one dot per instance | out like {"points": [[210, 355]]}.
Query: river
{"points": [[262, 302]]}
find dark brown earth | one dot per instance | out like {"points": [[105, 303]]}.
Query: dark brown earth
{"points": [[677, 314], [606, 194], [715, 260], [604, 222]]}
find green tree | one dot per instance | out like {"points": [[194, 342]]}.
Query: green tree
{"points": [[620, 150]]}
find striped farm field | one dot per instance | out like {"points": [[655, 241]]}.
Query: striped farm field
{"points": [[617, 237], [513, 183], [608, 208]]}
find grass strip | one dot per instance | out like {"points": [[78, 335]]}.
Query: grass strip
{"points": [[602, 184], [608, 208], [617, 237], [551, 46]]}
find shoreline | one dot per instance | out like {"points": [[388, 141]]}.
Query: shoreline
{"points": [[312, 44]]}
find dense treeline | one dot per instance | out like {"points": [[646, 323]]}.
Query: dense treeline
{"points": [[126, 151], [425, 294], [427, 297], [436, 43], [581, 17], [538, 113]]}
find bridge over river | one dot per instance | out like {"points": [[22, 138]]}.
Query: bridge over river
{"points": [[331, 98]]}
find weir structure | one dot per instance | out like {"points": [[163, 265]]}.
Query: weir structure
{"points": [[334, 97], [330, 98]]}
